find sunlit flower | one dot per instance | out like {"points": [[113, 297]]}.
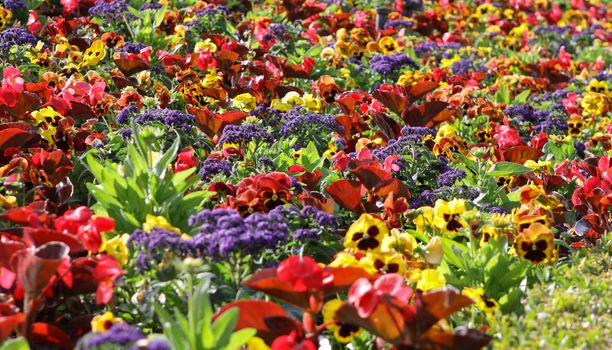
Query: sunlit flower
{"points": [[401, 242], [343, 332], [158, 221], [434, 253], [366, 233], [592, 103], [94, 54], [489, 305], [448, 215], [103, 322], [245, 102], [425, 219], [387, 262], [117, 248], [535, 244], [431, 279], [388, 45], [344, 259], [5, 17]]}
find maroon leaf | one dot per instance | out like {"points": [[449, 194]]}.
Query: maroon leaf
{"points": [[15, 137], [438, 304], [39, 236], [48, 334], [370, 176], [418, 90], [428, 114], [26, 102], [386, 321], [211, 123], [521, 154], [392, 100], [269, 319], [347, 193], [463, 338], [35, 268], [132, 65], [80, 110], [395, 186], [8, 324]]}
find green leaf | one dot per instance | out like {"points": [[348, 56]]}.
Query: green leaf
{"points": [[239, 338], [522, 97], [15, 344], [453, 252], [164, 161], [507, 169], [223, 327]]}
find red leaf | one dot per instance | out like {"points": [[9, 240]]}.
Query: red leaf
{"points": [[463, 338], [347, 193], [386, 321], [132, 65], [521, 154], [26, 102], [438, 304], [211, 123], [45, 333], [80, 110], [40, 236], [35, 268], [370, 176], [418, 90], [344, 277], [296, 9], [14, 137], [269, 319], [428, 114], [9, 323], [266, 281], [395, 186], [392, 100]]}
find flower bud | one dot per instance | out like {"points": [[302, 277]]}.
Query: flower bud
{"points": [[434, 252]]}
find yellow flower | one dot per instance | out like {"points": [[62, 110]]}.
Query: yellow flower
{"points": [[518, 31], [401, 242], [343, 332], [489, 305], [541, 166], [431, 279], [47, 133], [447, 62], [94, 54], [158, 221], [257, 343], [8, 202], [388, 45], [592, 103], [311, 103], [598, 86], [387, 262], [210, 81], [206, 44], [102, 323], [279, 105], [535, 244], [245, 102], [5, 17], [331, 151], [293, 98], [448, 215], [445, 130], [434, 253], [344, 259], [117, 248], [47, 114], [425, 219], [366, 234]]}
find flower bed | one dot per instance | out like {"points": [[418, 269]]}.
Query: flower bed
{"points": [[304, 174]]}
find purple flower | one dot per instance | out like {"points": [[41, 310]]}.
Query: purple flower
{"points": [[150, 6], [245, 133], [118, 334], [425, 48], [169, 117], [110, 10], [450, 177], [15, 5], [386, 64], [125, 114], [213, 166], [580, 148], [129, 47], [153, 245], [15, 36], [308, 126]]}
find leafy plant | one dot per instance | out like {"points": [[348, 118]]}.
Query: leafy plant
{"points": [[197, 330], [142, 184]]}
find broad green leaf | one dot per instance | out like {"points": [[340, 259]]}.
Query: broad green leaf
{"points": [[522, 97], [239, 338], [223, 327], [508, 169], [15, 344], [164, 161]]}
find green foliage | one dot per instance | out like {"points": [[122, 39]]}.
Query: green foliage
{"points": [[569, 310], [488, 266], [143, 30], [15, 344], [141, 184], [197, 331]]}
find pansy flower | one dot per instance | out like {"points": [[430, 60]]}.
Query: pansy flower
{"points": [[94, 54], [535, 244], [343, 332], [390, 262], [448, 215], [489, 305], [366, 234]]}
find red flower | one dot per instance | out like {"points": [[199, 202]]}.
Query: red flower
{"points": [[79, 222], [106, 272], [293, 342], [302, 273], [539, 140], [34, 25], [11, 78], [365, 296], [186, 159], [506, 137]]}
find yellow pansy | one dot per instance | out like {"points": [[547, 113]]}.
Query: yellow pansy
{"points": [[293, 98], [279, 105], [102, 323], [388, 45], [489, 305], [425, 219], [536, 244], [312, 103], [206, 44], [256, 343], [94, 54], [344, 333], [446, 130], [448, 215], [331, 151], [434, 253], [431, 279], [598, 86], [5, 17], [387, 262], [158, 221], [245, 102], [344, 259], [592, 103], [401, 242], [47, 114], [210, 81], [447, 62], [117, 248], [47, 133], [8, 202], [366, 234]]}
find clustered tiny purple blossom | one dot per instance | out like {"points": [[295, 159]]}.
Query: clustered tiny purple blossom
{"points": [[213, 166], [119, 334], [386, 64], [449, 177], [15, 36], [307, 126], [111, 10], [130, 47], [169, 117], [245, 133], [150, 6], [126, 113], [15, 5]]}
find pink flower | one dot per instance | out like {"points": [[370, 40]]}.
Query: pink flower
{"points": [[365, 296], [11, 78], [303, 274], [506, 137], [34, 25]]}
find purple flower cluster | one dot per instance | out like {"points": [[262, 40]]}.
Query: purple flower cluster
{"points": [[309, 222], [449, 177], [129, 47], [425, 48], [245, 133], [429, 197], [15, 5], [224, 231], [213, 166], [276, 30], [462, 66], [396, 23], [169, 117], [308, 126], [386, 64], [125, 114], [150, 6], [410, 135], [15, 36], [154, 245], [110, 10], [119, 334]]}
